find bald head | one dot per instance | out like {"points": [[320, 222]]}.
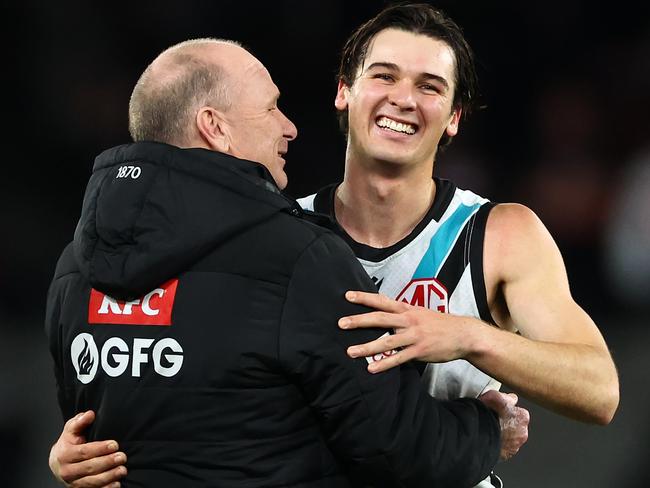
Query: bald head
{"points": [[178, 82], [212, 94]]}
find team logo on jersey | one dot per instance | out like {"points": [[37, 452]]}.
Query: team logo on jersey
{"points": [[85, 357], [117, 358], [425, 292], [154, 308]]}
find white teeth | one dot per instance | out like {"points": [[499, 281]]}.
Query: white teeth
{"points": [[396, 126]]}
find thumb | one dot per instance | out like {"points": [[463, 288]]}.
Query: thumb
{"points": [[497, 401], [511, 399], [79, 423]]}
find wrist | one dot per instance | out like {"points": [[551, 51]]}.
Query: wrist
{"points": [[475, 342]]}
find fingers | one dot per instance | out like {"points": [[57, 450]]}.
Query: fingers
{"points": [[79, 423], [95, 472], [511, 399], [108, 479], [385, 351], [499, 401], [383, 344], [80, 464], [376, 301], [514, 423], [519, 437], [75, 453], [372, 319], [493, 399], [390, 361]]}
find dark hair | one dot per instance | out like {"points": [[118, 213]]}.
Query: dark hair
{"points": [[418, 18]]}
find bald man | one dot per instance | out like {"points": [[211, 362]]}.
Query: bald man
{"points": [[196, 312]]}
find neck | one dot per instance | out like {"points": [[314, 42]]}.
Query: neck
{"points": [[380, 204]]}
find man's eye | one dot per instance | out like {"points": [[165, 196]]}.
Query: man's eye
{"points": [[383, 76], [429, 87]]}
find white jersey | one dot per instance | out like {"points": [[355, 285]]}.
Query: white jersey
{"points": [[440, 266]]}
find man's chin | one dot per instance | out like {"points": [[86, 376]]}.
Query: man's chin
{"points": [[397, 158], [281, 180]]}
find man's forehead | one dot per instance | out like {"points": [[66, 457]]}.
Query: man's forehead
{"points": [[254, 67], [411, 51], [258, 72], [255, 84]]}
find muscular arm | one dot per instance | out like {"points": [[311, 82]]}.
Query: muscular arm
{"points": [[559, 360]]}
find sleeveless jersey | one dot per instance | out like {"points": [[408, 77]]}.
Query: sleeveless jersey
{"points": [[438, 265]]}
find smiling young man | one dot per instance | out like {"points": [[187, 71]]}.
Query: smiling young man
{"points": [[406, 78]]}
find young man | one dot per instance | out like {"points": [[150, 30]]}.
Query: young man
{"points": [[405, 80], [214, 359]]}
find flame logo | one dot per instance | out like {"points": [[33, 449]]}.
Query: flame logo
{"points": [[85, 359]]}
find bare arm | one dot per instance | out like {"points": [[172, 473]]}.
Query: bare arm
{"points": [[560, 360], [79, 464]]}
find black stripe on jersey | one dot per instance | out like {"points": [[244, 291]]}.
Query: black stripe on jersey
{"points": [[477, 238], [457, 260], [324, 203], [467, 249]]}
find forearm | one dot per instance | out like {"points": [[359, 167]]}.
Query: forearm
{"points": [[562, 363], [576, 380]]}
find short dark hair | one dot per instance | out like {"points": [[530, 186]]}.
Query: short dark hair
{"points": [[418, 18]]}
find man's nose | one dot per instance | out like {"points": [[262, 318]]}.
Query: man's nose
{"points": [[290, 130], [402, 95]]}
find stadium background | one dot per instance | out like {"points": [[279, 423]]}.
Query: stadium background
{"points": [[567, 91]]}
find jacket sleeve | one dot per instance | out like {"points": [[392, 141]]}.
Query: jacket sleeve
{"points": [[384, 427], [53, 332]]}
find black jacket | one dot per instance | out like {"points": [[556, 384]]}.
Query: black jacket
{"points": [[223, 365]]}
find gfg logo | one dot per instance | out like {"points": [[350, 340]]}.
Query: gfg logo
{"points": [[115, 357]]}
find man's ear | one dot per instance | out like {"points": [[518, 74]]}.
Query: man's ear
{"points": [[454, 122], [342, 94], [213, 128]]}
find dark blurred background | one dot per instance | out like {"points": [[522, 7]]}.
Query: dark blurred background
{"points": [[567, 92]]}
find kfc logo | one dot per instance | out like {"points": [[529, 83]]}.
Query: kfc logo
{"points": [[381, 355], [155, 308], [425, 292]]}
